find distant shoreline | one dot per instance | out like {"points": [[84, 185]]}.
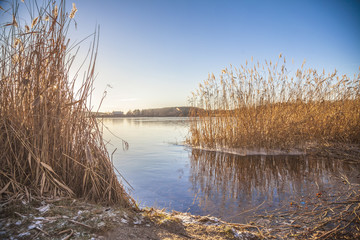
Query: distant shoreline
{"points": [[154, 112], [116, 116]]}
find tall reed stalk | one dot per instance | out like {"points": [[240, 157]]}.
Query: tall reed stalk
{"points": [[50, 145], [267, 107]]}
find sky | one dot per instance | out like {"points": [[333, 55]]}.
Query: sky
{"points": [[154, 53]]}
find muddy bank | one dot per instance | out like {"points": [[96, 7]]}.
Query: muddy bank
{"points": [[75, 219]]}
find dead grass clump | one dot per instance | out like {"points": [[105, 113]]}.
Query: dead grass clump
{"points": [[49, 143], [267, 107]]}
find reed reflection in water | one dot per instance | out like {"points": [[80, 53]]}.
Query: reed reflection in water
{"points": [[235, 187], [166, 174]]}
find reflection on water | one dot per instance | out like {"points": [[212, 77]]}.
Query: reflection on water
{"points": [[229, 185], [168, 175], [148, 121]]}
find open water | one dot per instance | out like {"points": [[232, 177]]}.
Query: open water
{"points": [[162, 172]]}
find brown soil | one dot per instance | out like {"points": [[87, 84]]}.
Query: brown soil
{"points": [[74, 219], [162, 225]]}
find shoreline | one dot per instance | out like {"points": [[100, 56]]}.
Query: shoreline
{"points": [[325, 215], [332, 215], [69, 218]]}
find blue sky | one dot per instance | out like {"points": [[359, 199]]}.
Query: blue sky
{"points": [[155, 52]]}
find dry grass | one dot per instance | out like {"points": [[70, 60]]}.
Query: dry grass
{"points": [[267, 107], [49, 144]]}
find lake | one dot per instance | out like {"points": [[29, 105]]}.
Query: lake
{"points": [[163, 173]]}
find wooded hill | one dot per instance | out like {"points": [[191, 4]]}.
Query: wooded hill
{"points": [[154, 112]]}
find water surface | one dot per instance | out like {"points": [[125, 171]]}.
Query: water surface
{"points": [[165, 174]]}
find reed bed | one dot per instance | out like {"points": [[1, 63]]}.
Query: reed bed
{"points": [[50, 144], [266, 107]]}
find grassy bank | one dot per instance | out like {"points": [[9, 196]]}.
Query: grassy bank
{"points": [[49, 145], [268, 107]]}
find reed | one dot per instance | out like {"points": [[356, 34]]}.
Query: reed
{"points": [[50, 144], [266, 107]]}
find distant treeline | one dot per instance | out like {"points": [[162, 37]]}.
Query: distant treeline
{"points": [[155, 112]]}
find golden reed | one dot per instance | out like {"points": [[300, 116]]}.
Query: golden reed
{"points": [[264, 106], [50, 144]]}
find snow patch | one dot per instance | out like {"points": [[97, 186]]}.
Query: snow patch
{"points": [[251, 152], [44, 209]]}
